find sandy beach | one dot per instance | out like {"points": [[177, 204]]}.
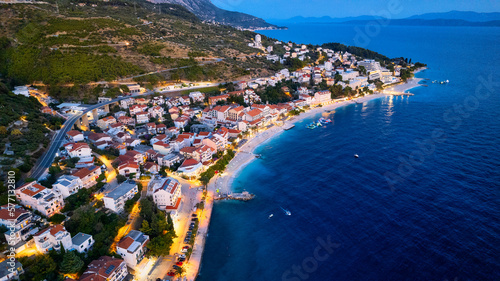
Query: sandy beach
{"points": [[245, 155]]}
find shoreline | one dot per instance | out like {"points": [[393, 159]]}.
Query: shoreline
{"points": [[245, 155]]}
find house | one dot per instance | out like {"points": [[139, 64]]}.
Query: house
{"points": [[115, 200], [88, 175], [122, 149], [119, 114], [215, 99], [105, 268], [136, 156], [161, 128], [52, 238], [181, 122], [105, 122], [10, 270], [156, 111], [253, 114], [136, 108], [169, 160], [167, 193], [174, 131], [68, 185], [80, 150], [203, 153], [127, 168], [158, 138], [18, 221], [190, 168], [322, 97], [126, 103], [152, 167], [97, 137], [162, 147], [236, 113], [151, 127], [132, 142], [48, 110], [132, 247], [126, 120], [74, 136], [46, 201], [142, 117], [185, 100], [82, 242], [197, 96], [221, 112]]}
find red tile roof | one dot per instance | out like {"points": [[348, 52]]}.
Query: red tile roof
{"points": [[74, 133]]}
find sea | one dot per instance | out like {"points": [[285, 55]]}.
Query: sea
{"points": [[420, 203]]}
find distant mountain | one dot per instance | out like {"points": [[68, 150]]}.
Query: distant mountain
{"points": [[325, 19], [434, 22], [452, 18], [207, 11], [459, 15]]}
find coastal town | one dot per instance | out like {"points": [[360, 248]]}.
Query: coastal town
{"points": [[146, 166]]}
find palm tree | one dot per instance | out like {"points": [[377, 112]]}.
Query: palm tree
{"points": [[179, 271]]}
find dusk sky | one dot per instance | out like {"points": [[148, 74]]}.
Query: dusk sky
{"points": [[282, 9]]}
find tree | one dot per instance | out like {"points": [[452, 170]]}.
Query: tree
{"points": [[145, 227], [71, 263], [121, 178], [57, 218], [179, 271]]}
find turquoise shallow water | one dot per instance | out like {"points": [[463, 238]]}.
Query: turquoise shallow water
{"points": [[421, 202]]}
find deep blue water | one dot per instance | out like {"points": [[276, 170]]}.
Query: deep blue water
{"points": [[420, 203]]}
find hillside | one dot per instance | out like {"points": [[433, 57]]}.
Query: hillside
{"points": [[93, 41], [207, 11]]}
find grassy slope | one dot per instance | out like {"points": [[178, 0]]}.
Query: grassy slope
{"points": [[82, 44]]}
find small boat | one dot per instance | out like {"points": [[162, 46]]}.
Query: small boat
{"points": [[270, 216], [356, 156], [288, 213], [318, 124]]}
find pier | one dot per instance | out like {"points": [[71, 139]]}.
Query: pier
{"points": [[288, 127], [244, 196]]}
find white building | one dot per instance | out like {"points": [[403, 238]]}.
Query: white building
{"points": [[166, 192], [197, 96], [80, 150], [82, 242], [52, 238], [142, 117], [18, 221], [68, 185], [190, 168], [37, 197], [132, 248], [88, 175], [115, 200], [74, 136]]}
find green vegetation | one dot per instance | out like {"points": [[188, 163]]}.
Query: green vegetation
{"points": [[219, 166], [158, 226], [71, 263], [103, 227], [39, 268], [357, 51], [27, 140], [57, 218]]}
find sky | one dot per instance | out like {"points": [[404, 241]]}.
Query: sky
{"points": [[283, 9]]}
